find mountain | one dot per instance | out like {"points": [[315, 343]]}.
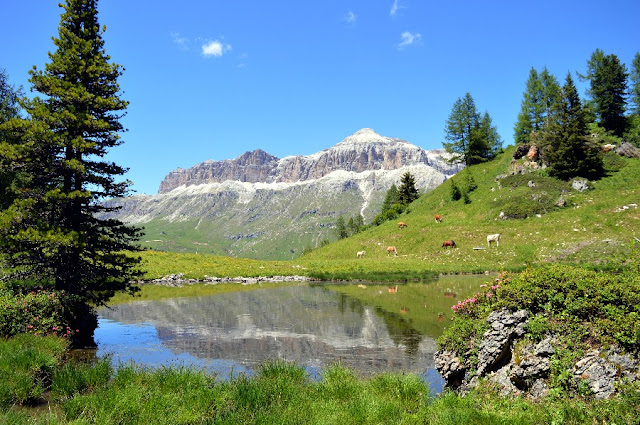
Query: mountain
{"points": [[261, 206]]}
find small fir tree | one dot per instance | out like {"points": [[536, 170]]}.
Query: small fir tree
{"points": [[407, 193], [341, 228], [634, 76], [391, 198], [455, 191]]}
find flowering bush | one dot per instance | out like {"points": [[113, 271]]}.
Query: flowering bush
{"points": [[40, 312], [486, 298]]}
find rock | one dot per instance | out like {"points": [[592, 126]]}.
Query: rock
{"points": [[608, 147], [628, 150], [521, 150], [532, 155], [561, 202], [531, 184], [598, 373], [580, 184], [495, 344], [450, 367]]}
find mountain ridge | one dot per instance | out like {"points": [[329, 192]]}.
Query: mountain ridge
{"points": [[261, 206], [365, 150]]}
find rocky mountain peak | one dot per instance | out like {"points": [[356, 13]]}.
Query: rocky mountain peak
{"points": [[365, 150]]}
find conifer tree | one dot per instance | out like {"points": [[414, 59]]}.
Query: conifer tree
{"points": [[9, 109], [53, 232], [542, 92], [407, 192], [341, 228], [391, 197], [634, 76], [608, 90], [472, 138], [569, 154]]}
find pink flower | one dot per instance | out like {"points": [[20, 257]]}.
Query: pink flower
{"points": [[489, 295]]}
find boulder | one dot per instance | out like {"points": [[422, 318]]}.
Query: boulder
{"points": [[532, 155], [521, 150], [628, 150], [580, 184]]}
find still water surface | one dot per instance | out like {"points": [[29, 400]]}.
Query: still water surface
{"points": [[370, 329]]}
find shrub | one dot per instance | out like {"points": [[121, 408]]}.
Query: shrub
{"points": [[39, 312]]}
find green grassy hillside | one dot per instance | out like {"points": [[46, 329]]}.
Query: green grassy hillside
{"points": [[588, 230]]}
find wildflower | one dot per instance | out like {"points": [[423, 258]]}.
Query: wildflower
{"points": [[489, 295]]}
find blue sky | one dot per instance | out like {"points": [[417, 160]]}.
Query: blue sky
{"points": [[212, 79]]}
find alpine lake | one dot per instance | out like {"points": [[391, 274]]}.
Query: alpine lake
{"points": [[371, 328]]}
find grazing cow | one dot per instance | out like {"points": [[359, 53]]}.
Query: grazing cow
{"points": [[361, 254], [391, 249], [438, 218], [493, 238], [447, 244], [402, 225], [392, 289]]}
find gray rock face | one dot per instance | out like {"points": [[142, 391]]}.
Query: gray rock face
{"points": [[365, 150], [580, 184], [495, 345], [518, 368]]}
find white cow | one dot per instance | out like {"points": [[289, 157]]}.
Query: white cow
{"points": [[361, 254], [493, 238]]}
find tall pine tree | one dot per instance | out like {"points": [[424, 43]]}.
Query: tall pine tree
{"points": [[53, 232], [542, 92], [569, 153], [608, 90], [634, 76], [472, 138], [9, 109]]}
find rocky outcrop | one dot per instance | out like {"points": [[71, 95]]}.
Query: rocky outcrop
{"points": [[365, 150], [517, 367]]}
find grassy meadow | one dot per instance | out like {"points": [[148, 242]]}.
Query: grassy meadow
{"points": [[592, 229]]}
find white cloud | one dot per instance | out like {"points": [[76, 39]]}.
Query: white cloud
{"points": [[180, 41], [408, 39], [350, 17], [215, 48], [395, 7]]}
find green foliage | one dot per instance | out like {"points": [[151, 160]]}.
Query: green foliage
{"points": [[75, 378], [341, 228], [542, 92], [390, 214], [27, 363], [391, 198], [9, 109], [608, 90], [454, 191], [568, 152], [52, 232], [634, 76], [472, 139], [39, 312], [407, 193]]}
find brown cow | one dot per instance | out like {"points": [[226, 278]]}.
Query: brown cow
{"points": [[438, 218], [391, 249], [447, 244], [402, 225]]}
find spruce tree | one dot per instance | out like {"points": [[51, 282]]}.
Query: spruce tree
{"points": [[542, 92], [341, 228], [634, 76], [569, 154], [608, 90], [391, 197], [472, 138], [9, 109], [53, 233], [407, 191]]}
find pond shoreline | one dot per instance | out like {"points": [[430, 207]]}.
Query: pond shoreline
{"points": [[178, 280]]}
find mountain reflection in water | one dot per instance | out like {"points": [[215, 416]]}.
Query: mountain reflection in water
{"points": [[229, 333]]}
